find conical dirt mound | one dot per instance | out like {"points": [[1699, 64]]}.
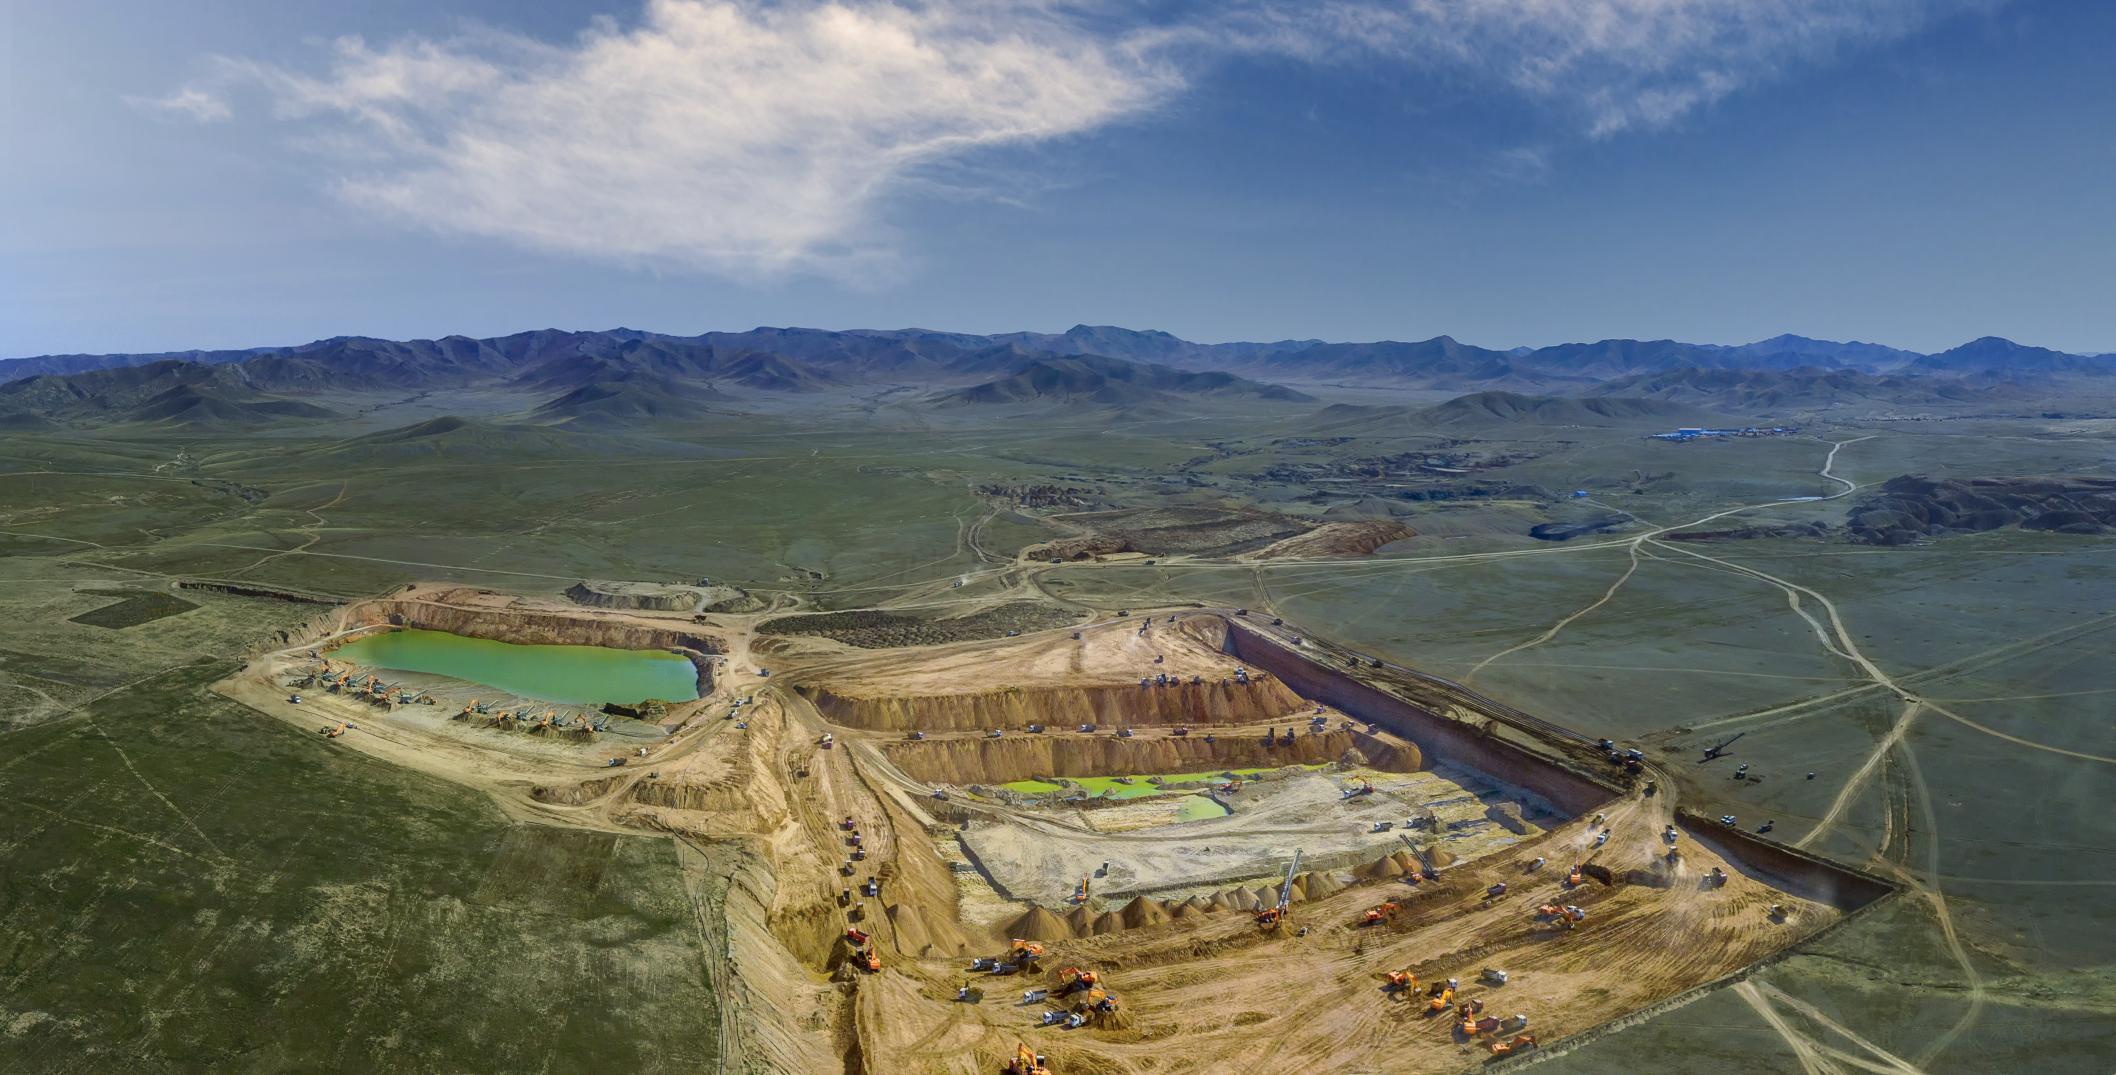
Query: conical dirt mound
{"points": [[1040, 924], [1141, 912]]}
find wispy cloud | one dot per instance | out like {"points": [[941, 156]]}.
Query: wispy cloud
{"points": [[189, 102], [753, 139], [1607, 65]]}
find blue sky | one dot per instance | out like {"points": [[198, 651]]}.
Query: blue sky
{"points": [[1915, 172]]}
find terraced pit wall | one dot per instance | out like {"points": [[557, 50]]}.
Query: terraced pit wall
{"points": [[1259, 701], [997, 761], [1437, 737], [537, 629]]}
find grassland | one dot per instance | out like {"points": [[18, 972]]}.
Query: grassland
{"points": [[191, 887]]}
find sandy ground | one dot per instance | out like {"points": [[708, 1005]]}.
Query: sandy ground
{"points": [[1038, 855], [1112, 653], [1206, 992]]}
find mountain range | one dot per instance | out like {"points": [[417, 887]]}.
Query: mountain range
{"points": [[628, 375]]}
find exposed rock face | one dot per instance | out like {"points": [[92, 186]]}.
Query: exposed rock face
{"points": [[1023, 757], [1508, 816], [632, 595], [1261, 699], [1911, 507], [529, 628]]}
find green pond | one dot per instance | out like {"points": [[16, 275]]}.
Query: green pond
{"points": [[578, 675], [1137, 787]]}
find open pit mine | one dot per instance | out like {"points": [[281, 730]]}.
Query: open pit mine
{"points": [[1178, 841]]}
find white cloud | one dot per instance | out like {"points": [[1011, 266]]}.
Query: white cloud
{"points": [[190, 102], [1611, 65], [753, 138], [715, 134]]}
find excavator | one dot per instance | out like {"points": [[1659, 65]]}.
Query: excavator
{"points": [[1468, 1012], [1575, 879], [1021, 956], [1399, 981], [1519, 1042], [1366, 787], [1566, 914], [1715, 751], [1378, 913], [1026, 1062], [1076, 981], [1444, 996], [1273, 917], [1080, 892], [335, 732], [867, 959], [1024, 951]]}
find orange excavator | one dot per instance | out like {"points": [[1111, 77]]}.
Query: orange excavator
{"points": [[1026, 1062], [1378, 913], [1519, 1042], [1565, 914], [1399, 981], [868, 960], [1441, 1000], [1273, 917], [1076, 981], [1575, 879], [1080, 892], [335, 732]]}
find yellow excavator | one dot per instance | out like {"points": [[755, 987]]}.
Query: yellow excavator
{"points": [[1441, 999], [1026, 1062]]}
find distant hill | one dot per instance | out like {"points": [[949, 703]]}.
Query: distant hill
{"points": [[1111, 381], [169, 393], [1441, 360], [1993, 354], [1853, 353], [610, 370], [1499, 408], [455, 439], [630, 397], [1764, 392]]}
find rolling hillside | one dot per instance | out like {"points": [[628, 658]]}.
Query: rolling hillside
{"points": [[1092, 379]]}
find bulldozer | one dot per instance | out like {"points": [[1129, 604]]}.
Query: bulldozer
{"points": [[1026, 1062]]}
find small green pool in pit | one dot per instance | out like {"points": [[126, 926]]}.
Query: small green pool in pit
{"points": [[577, 675], [1138, 787]]}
